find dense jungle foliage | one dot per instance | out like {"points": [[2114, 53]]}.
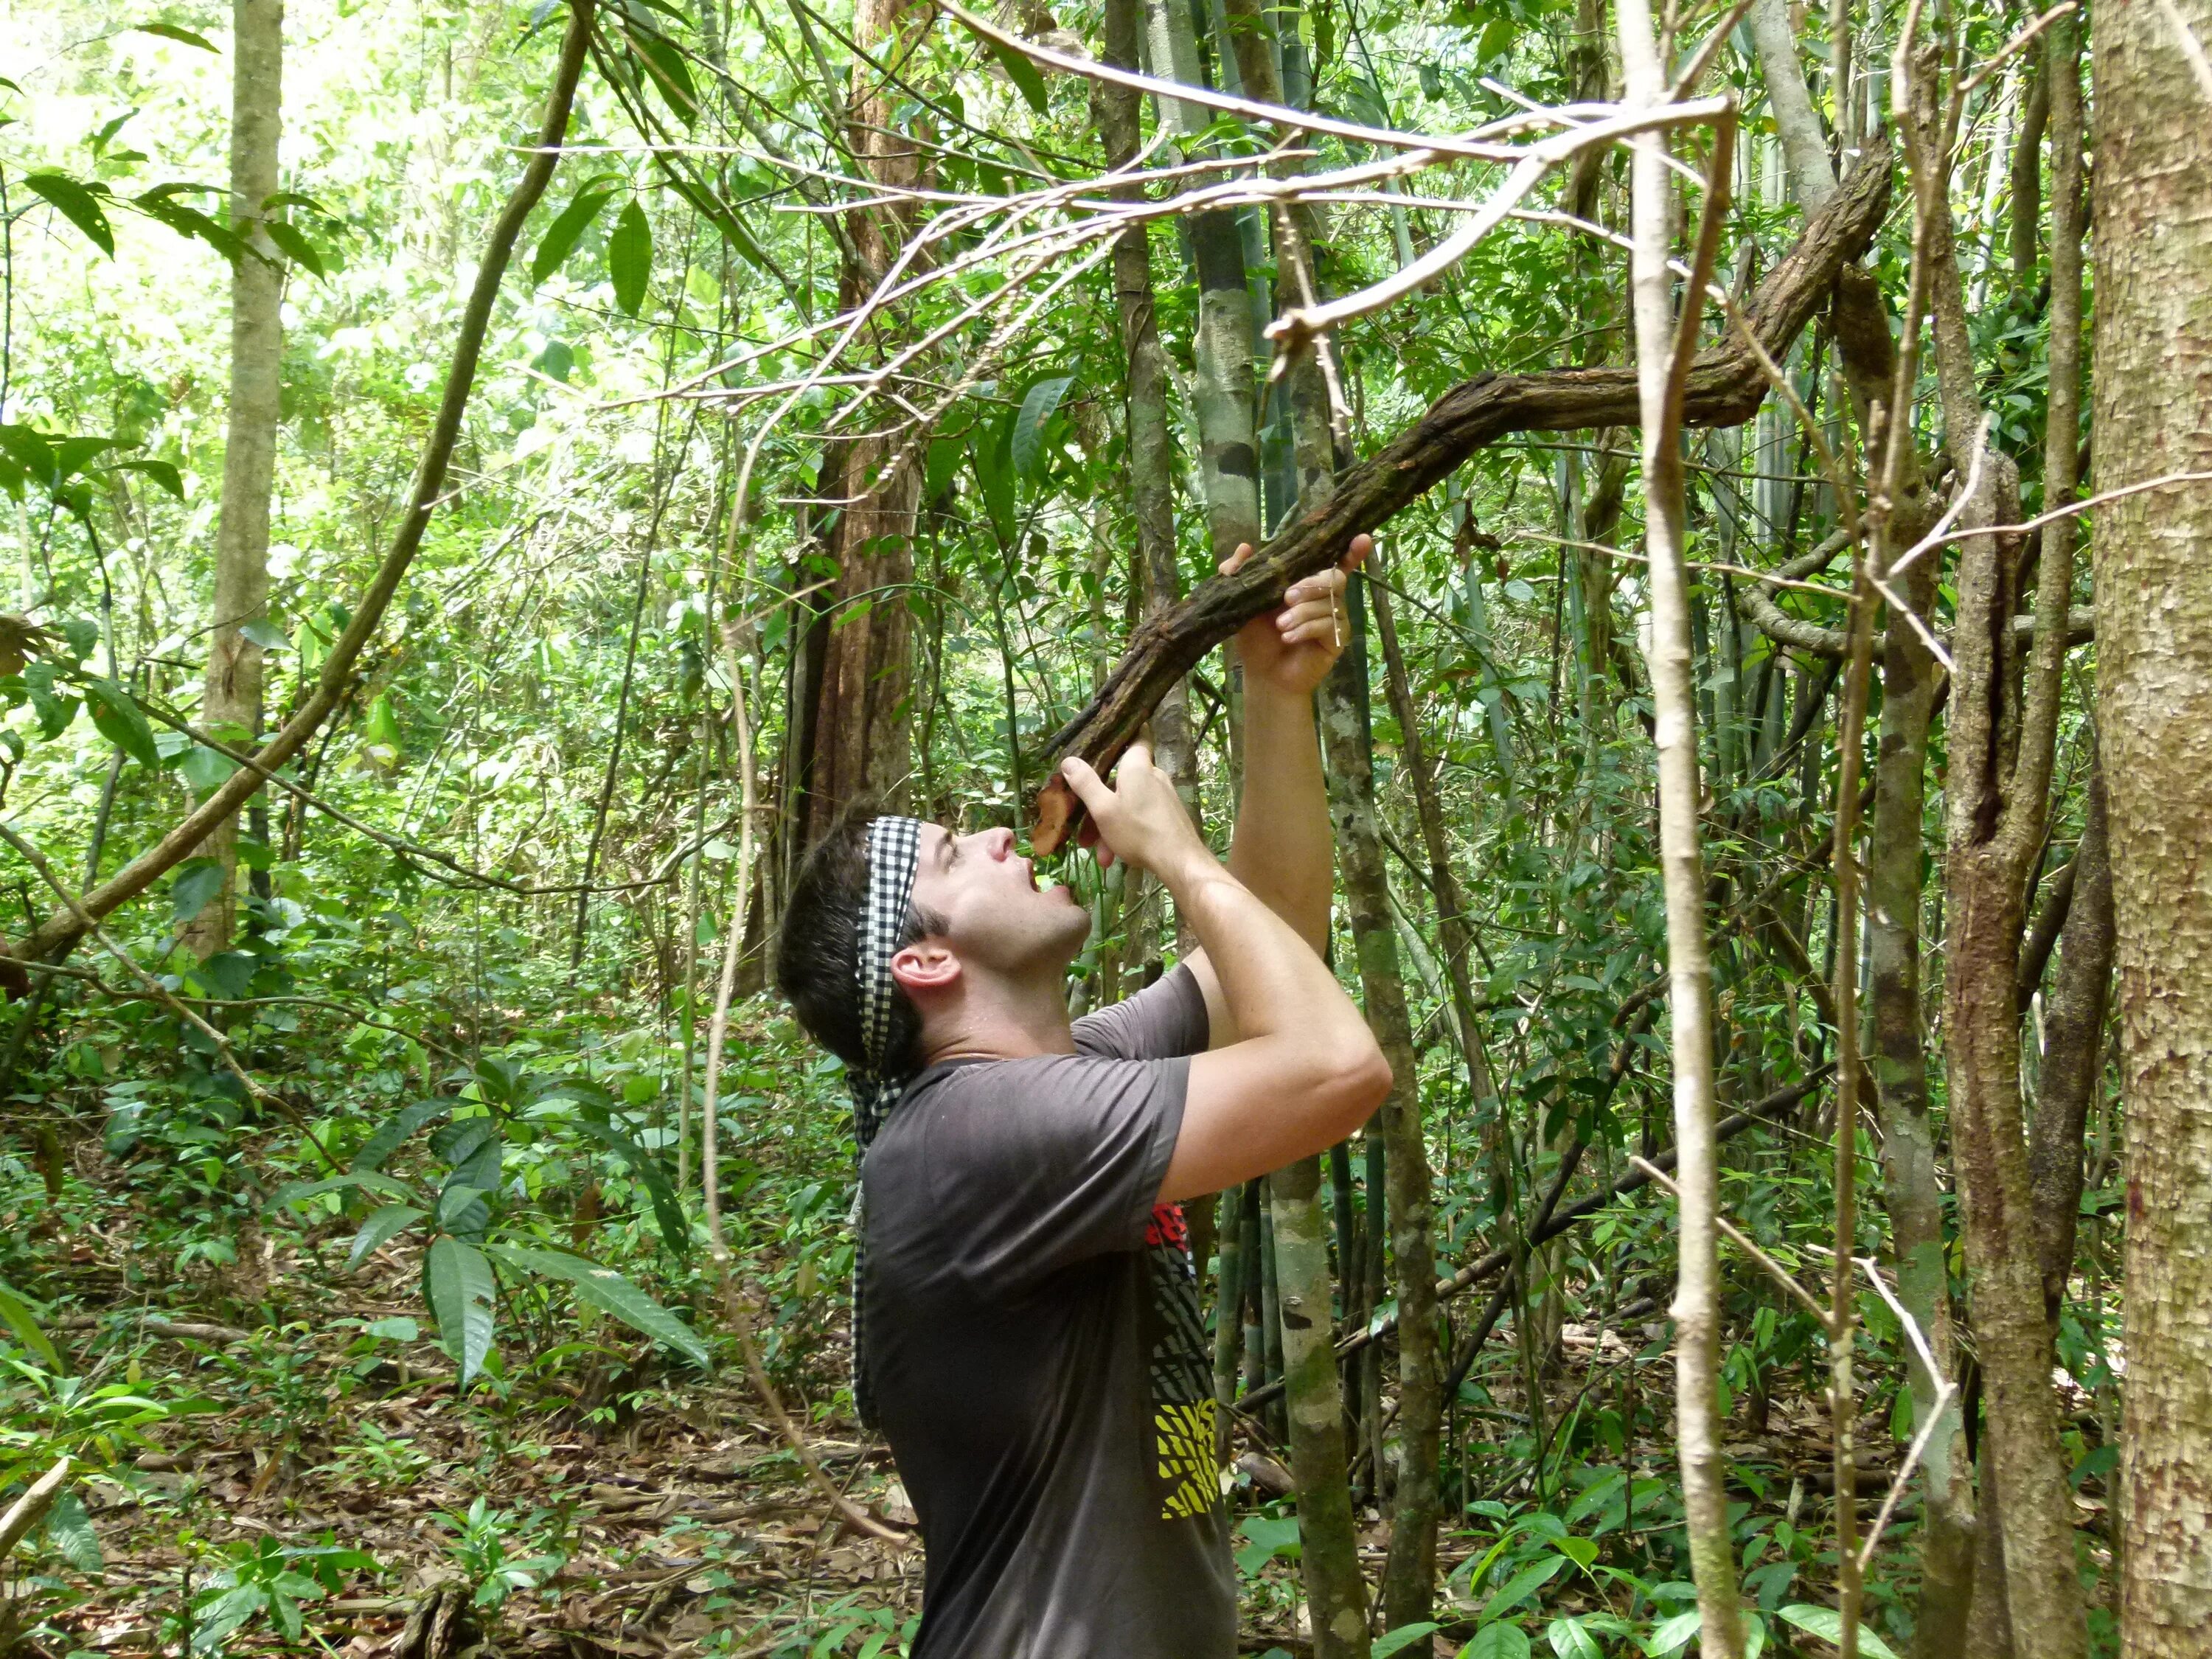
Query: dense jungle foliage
{"points": [[423, 1230]]}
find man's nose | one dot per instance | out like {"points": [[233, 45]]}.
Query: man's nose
{"points": [[999, 843]]}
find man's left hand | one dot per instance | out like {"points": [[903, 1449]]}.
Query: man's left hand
{"points": [[1291, 650]]}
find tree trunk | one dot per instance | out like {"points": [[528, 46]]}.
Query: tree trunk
{"points": [[1689, 965], [1151, 452], [1409, 1575], [2001, 739], [1328, 1546], [2153, 416], [230, 706], [2073, 1053], [862, 745], [1898, 1039]]}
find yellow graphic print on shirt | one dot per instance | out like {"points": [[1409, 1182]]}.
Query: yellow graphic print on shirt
{"points": [[1185, 1437], [1182, 1395]]}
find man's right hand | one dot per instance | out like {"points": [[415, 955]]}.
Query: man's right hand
{"points": [[1138, 819]]}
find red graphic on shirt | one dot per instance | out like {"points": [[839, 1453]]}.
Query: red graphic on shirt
{"points": [[1168, 1227]]}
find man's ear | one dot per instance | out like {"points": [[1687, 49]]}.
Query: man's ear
{"points": [[926, 966]]}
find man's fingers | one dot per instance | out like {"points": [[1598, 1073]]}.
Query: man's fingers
{"points": [[1356, 555], [1090, 788], [1139, 753], [1235, 562]]}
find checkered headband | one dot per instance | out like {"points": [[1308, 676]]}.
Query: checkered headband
{"points": [[893, 851]]}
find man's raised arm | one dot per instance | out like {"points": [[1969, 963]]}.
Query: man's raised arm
{"points": [[1305, 1071]]}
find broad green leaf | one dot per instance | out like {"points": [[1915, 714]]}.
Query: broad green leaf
{"points": [[293, 1192], [1497, 1642], [629, 256], [69, 1529], [381, 1227], [173, 32], [1570, 1641], [78, 203], [457, 1283], [203, 768], [454, 1201], [122, 722], [561, 236], [264, 633], [666, 67], [163, 473], [294, 245], [395, 1129], [227, 974], [73, 454], [30, 449], [1580, 1551], [1038, 409], [198, 880], [609, 1291], [1671, 1633], [667, 1208], [1827, 1624], [1022, 72], [1522, 1585], [20, 1313], [1404, 1636]]}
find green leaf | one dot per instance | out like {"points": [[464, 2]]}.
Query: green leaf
{"points": [[457, 1283], [198, 880], [73, 455], [609, 1291], [123, 723], [20, 1313], [1522, 1585], [394, 1130], [78, 203], [294, 245], [293, 1192], [264, 633], [1671, 1633], [1827, 1624], [163, 473], [1580, 1550], [1021, 71], [561, 236], [30, 449], [667, 1210], [69, 1529], [227, 974], [629, 256], [1038, 409], [381, 1227], [453, 1202], [1497, 1642], [172, 31], [1404, 1636], [1570, 1641], [203, 768]]}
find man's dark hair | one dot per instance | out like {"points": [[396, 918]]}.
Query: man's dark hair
{"points": [[818, 953]]}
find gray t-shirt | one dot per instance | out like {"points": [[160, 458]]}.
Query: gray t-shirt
{"points": [[1037, 1351]]}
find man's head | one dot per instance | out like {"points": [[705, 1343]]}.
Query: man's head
{"points": [[978, 930]]}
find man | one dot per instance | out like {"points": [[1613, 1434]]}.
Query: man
{"points": [[1026, 1326]]}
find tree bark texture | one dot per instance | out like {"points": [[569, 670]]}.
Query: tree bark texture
{"points": [[1224, 395], [63, 928], [1672, 671], [2153, 416], [1117, 111], [862, 742], [2001, 745], [231, 701], [1725, 388], [1328, 1551], [1409, 1574], [2073, 1053]]}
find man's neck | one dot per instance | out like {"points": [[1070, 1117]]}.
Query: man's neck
{"points": [[1001, 1022]]}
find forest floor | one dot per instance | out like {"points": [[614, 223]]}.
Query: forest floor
{"points": [[641, 1512]]}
